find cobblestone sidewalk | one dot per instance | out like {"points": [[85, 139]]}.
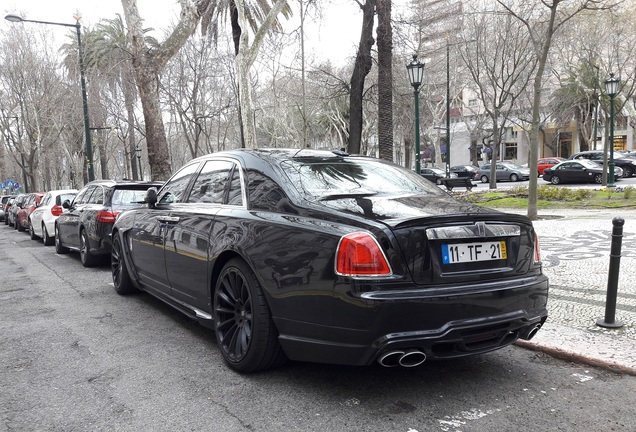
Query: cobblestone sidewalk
{"points": [[575, 248]]}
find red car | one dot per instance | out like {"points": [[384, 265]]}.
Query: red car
{"points": [[548, 162], [30, 203]]}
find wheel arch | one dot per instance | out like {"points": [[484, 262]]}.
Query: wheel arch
{"points": [[219, 263]]}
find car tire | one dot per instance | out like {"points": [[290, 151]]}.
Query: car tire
{"points": [[598, 178], [121, 278], [46, 238], [59, 248], [627, 171], [19, 226], [86, 257], [514, 177], [484, 179], [438, 181], [32, 232], [555, 180], [245, 331]]}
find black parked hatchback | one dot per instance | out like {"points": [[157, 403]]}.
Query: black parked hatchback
{"points": [[324, 257], [86, 225]]}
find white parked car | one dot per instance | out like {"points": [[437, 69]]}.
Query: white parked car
{"points": [[43, 218]]}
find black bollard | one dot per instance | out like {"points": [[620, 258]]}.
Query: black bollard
{"points": [[612, 279]]}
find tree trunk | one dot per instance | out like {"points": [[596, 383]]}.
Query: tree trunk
{"points": [[361, 69], [158, 154], [385, 80], [147, 65]]}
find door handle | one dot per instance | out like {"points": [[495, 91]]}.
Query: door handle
{"points": [[169, 219]]}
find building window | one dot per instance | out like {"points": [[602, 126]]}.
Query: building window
{"points": [[510, 151], [472, 102]]}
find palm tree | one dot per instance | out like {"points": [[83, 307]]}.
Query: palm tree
{"points": [[109, 52], [255, 13]]}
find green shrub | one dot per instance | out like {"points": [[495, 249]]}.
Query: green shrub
{"points": [[628, 192]]}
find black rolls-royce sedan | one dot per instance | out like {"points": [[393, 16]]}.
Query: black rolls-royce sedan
{"points": [[324, 257]]}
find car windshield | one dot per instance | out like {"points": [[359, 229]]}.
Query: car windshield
{"points": [[352, 177], [128, 196], [510, 165]]}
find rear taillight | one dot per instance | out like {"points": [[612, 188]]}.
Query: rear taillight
{"points": [[106, 216], [359, 254], [537, 249], [56, 210]]}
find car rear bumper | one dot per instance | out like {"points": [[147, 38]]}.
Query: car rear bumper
{"points": [[438, 327]]}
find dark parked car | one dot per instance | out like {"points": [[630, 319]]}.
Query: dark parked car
{"points": [[87, 224], [18, 201], [577, 171], [435, 175], [324, 257], [627, 164], [4, 202], [464, 171], [504, 171], [30, 203]]}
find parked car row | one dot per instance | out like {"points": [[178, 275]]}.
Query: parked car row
{"points": [[76, 220]]}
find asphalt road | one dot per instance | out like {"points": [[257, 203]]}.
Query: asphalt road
{"points": [[75, 356]]}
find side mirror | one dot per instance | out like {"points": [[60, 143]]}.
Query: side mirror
{"points": [[151, 197], [66, 204]]}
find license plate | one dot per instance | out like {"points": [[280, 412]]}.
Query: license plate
{"points": [[473, 252]]}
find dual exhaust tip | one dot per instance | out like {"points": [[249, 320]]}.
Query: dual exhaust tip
{"points": [[414, 357], [407, 358]]}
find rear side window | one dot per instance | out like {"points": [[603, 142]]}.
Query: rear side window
{"points": [[211, 183], [128, 196], [97, 197]]}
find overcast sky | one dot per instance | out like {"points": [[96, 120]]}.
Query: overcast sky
{"points": [[335, 37]]}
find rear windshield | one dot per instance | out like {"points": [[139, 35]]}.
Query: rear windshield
{"points": [[323, 179], [128, 196]]}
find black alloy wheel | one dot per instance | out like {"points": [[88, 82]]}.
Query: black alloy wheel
{"points": [[245, 331], [598, 178], [87, 258], [46, 238], [555, 180], [59, 248], [627, 171], [438, 181], [121, 277]]}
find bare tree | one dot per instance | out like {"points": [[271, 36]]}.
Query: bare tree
{"points": [[500, 60], [542, 25]]}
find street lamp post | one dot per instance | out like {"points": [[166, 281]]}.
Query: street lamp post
{"points": [[448, 137], [415, 70], [141, 171], [611, 88], [87, 133]]}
